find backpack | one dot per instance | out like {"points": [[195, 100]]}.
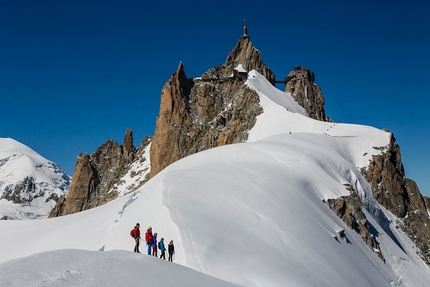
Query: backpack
{"points": [[132, 233], [159, 245]]}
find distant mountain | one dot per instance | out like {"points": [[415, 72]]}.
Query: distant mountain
{"points": [[30, 185]]}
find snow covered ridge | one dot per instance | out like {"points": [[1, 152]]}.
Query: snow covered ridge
{"points": [[282, 114], [30, 185]]}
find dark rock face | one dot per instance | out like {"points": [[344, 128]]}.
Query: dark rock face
{"points": [[214, 110], [300, 84], [349, 209], [95, 175], [26, 187], [400, 195]]}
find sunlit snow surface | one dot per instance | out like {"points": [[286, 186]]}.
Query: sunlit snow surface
{"points": [[251, 213], [93, 268]]}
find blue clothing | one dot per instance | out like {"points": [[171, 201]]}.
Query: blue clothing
{"points": [[154, 238], [162, 248], [149, 248]]}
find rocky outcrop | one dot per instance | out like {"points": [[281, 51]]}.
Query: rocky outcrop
{"points": [[349, 209], [300, 83], [95, 175], [169, 138], [400, 195], [249, 57], [26, 187], [213, 110], [83, 189]]}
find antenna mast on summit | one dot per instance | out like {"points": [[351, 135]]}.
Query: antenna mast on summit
{"points": [[245, 30]]}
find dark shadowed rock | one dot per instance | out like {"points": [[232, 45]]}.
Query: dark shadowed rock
{"points": [[350, 210], [300, 84], [400, 195]]}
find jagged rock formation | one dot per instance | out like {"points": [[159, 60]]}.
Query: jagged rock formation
{"points": [[214, 110], [246, 54], [96, 175], [400, 195], [350, 210], [300, 84]]}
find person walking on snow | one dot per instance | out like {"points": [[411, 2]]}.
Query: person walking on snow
{"points": [[149, 240], [171, 249], [136, 232], [162, 249], [154, 245]]}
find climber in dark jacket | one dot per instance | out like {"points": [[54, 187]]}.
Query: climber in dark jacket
{"points": [[171, 250]]}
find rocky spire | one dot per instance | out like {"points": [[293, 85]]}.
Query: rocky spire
{"points": [[128, 148], [246, 54], [300, 84], [174, 112], [84, 183]]}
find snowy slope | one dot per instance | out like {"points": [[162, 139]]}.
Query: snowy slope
{"points": [[92, 268], [247, 213], [33, 180], [251, 214]]}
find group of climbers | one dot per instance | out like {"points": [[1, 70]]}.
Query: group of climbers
{"points": [[151, 242]]}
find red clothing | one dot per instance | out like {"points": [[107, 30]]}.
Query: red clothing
{"points": [[148, 237], [136, 232]]}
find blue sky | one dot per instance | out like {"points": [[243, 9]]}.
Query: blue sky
{"points": [[74, 74]]}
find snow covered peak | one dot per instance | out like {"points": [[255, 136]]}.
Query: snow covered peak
{"points": [[29, 184], [10, 147]]}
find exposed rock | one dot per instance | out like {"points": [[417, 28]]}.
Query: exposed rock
{"points": [[25, 187], [128, 148], [95, 175], [300, 84], [427, 201], [137, 172], [385, 174], [83, 189], [57, 210], [246, 54], [349, 209], [202, 113], [400, 195]]}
